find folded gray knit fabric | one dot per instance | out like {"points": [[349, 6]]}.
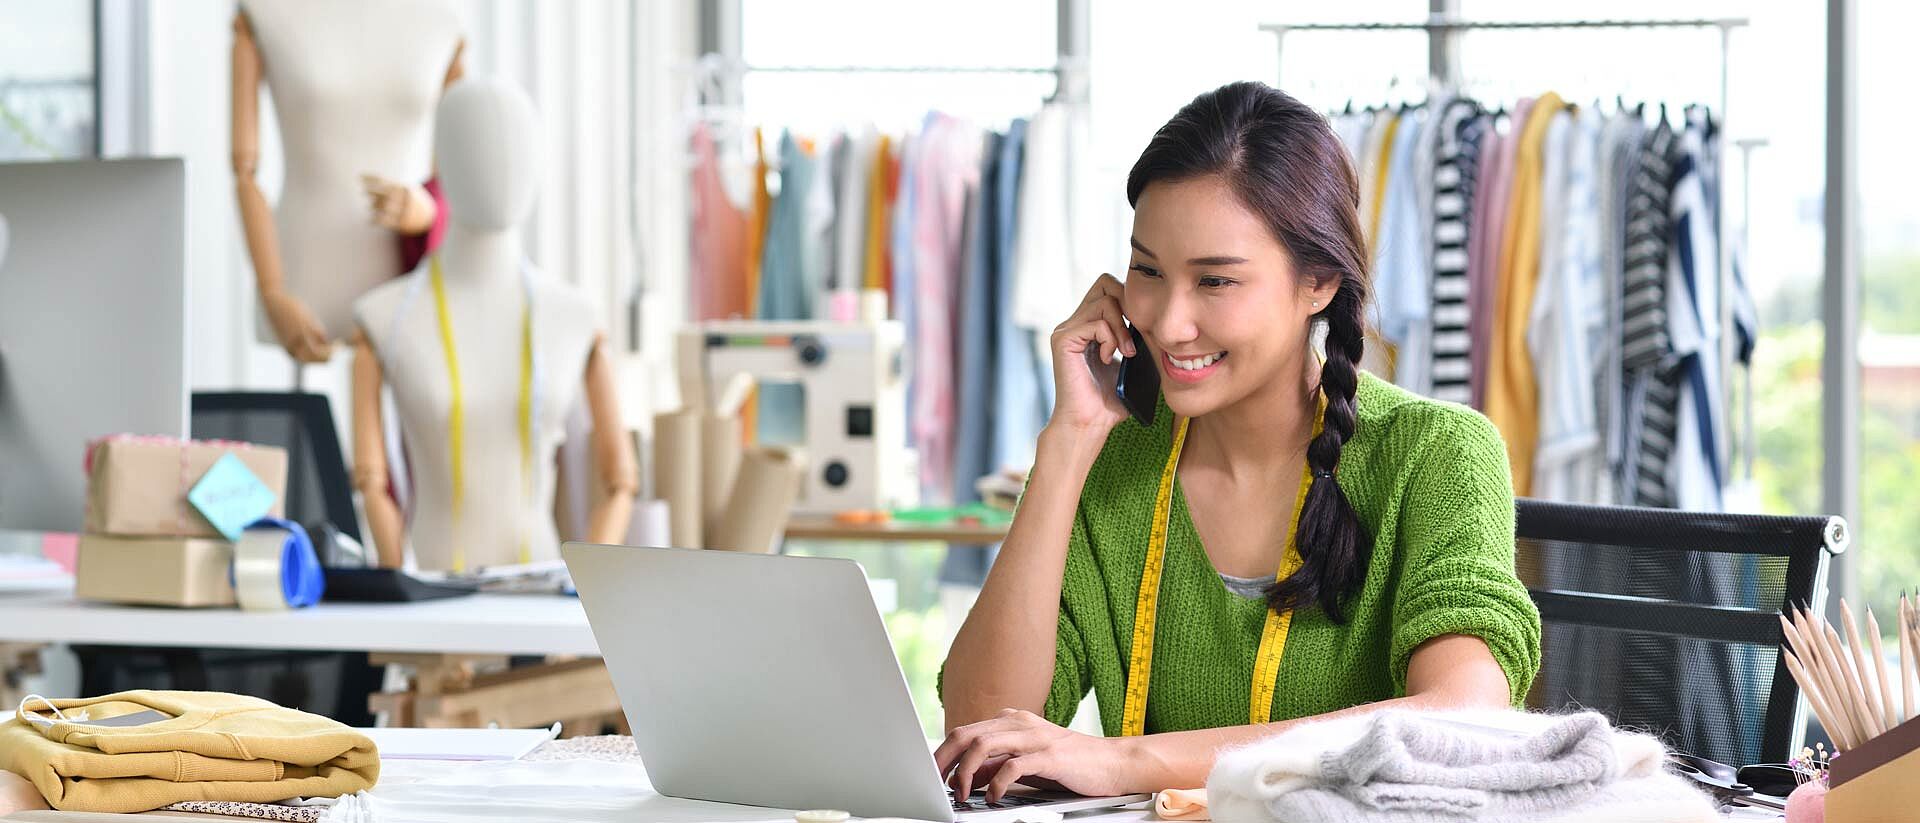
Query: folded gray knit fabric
{"points": [[1403, 767]]}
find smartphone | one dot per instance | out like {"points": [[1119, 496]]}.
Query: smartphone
{"points": [[1139, 385]]}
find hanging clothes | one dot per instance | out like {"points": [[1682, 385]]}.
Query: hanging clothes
{"points": [[1568, 320], [717, 269], [785, 265], [1058, 244], [853, 167], [1620, 157], [1512, 391], [1461, 131], [879, 212], [949, 169], [1022, 393], [762, 216], [977, 347], [1484, 296], [1372, 169], [1697, 473], [1402, 276], [979, 359], [1651, 395]]}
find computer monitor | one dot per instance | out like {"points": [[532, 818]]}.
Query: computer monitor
{"points": [[93, 308]]}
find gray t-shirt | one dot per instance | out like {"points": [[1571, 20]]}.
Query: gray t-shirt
{"points": [[1252, 587]]}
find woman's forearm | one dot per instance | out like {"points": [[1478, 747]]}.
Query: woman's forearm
{"points": [[1003, 655], [1446, 672]]}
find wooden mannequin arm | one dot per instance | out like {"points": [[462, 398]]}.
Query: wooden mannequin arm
{"points": [[293, 323], [612, 451], [370, 456], [407, 207]]}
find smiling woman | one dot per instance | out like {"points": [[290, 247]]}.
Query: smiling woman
{"points": [[1381, 522]]}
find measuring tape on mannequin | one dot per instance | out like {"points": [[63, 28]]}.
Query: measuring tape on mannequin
{"points": [[529, 399], [275, 567], [1273, 635]]}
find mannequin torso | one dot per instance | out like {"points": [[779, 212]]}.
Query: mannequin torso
{"points": [[485, 297], [354, 83]]}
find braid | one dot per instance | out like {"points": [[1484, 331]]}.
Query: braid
{"points": [[1334, 546]]}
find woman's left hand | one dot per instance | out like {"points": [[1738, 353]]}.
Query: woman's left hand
{"points": [[1022, 746]]}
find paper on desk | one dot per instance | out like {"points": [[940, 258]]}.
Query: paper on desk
{"points": [[458, 744]]}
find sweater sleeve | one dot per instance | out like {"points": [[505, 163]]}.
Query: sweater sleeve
{"points": [[1071, 676], [1457, 554]]}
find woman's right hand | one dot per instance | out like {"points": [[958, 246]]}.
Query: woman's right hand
{"points": [[1084, 370]]}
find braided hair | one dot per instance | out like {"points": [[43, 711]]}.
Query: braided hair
{"points": [[1282, 161]]}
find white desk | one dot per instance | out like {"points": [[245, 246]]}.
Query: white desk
{"points": [[511, 624]]}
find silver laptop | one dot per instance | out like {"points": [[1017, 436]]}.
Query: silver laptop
{"points": [[767, 680]]}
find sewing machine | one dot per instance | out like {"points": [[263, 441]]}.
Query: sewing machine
{"points": [[854, 407]]}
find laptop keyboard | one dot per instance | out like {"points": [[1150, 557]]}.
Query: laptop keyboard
{"points": [[978, 802]]}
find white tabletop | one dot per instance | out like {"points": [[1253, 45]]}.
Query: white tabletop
{"points": [[526, 624]]}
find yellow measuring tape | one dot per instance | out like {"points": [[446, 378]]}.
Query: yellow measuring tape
{"points": [[1273, 636], [456, 413]]}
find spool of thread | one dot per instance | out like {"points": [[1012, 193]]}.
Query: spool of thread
{"points": [[843, 306], [676, 475], [275, 567], [873, 306]]}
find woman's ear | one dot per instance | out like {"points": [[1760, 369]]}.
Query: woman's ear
{"points": [[1320, 294]]}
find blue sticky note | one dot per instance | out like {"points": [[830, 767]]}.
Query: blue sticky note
{"points": [[230, 496]]}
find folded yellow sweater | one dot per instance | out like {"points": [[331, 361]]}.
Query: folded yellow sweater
{"points": [[201, 746]]}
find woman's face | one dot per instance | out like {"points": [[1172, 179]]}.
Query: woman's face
{"points": [[1215, 295]]}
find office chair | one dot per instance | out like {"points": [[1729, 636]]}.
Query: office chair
{"points": [[1666, 620], [318, 485], [319, 489]]}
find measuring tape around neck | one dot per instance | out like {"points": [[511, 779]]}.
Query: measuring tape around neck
{"points": [[527, 407], [1273, 635]]}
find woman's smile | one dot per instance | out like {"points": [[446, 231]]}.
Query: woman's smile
{"points": [[1192, 369]]}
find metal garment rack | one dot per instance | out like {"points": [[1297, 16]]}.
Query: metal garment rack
{"points": [[1069, 73], [1440, 29]]}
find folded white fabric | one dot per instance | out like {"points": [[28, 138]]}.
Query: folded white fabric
{"points": [[1398, 766]]}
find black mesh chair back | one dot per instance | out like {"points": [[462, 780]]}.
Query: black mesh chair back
{"points": [[318, 486], [1666, 621]]}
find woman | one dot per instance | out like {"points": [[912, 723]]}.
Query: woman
{"points": [[1389, 517]]}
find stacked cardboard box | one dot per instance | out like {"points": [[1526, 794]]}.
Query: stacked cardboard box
{"points": [[144, 541]]}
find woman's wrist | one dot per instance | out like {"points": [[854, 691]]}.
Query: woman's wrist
{"points": [[1078, 445], [1143, 767]]}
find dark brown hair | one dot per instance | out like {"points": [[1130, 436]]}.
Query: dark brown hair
{"points": [[1283, 162]]}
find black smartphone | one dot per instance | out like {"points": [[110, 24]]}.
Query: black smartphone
{"points": [[1139, 383]]}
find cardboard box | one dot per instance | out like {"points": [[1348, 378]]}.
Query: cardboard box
{"points": [[1879, 780], [137, 486], [156, 571]]}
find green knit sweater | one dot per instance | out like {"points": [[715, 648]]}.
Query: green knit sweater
{"points": [[1430, 482]]}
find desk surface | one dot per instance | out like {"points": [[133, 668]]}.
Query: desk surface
{"points": [[477, 624]]}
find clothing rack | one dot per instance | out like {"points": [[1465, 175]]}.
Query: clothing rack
{"points": [[1441, 25], [1069, 72]]}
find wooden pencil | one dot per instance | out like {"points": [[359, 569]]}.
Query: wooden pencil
{"points": [[1810, 688], [1829, 667], [1856, 689], [1906, 662], [1856, 652], [1890, 713]]}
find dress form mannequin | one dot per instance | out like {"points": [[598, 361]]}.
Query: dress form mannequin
{"points": [[489, 168], [354, 84]]}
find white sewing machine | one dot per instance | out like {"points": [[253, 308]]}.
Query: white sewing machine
{"points": [[854, 432]]}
